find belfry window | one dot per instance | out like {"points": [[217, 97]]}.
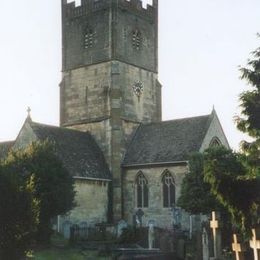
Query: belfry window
{"points": [[168, 186], [89, 39], [141, 191], [136, 39]]}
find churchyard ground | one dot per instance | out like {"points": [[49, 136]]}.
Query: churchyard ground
{"points": [[60, 249], [65, 254]]}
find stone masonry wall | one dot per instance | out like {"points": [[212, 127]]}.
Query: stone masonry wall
{"points": [[92, 202], [215, 131], [91, 100], [156, 211]]}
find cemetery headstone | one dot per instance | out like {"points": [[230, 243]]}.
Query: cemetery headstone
{"points": [[74, 233], [120, 227], [151, 234], [176, 212], [66, 229], [83, 230], [139, 215], [205, 244], [255, 243], [238, 248]]}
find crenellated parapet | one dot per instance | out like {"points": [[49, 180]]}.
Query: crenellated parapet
{"points": [[89, 6], [86, 7], [136, 6]]}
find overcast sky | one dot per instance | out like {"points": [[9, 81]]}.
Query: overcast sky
{"points": [[202, 43]]}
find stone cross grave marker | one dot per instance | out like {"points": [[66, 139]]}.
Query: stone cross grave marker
{"points": [[120, 226], [214, 227], [238, 248], [139, 215], [255, 243], [151, 233]]}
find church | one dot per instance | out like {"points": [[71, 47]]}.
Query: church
{"points": [[111, 138]]}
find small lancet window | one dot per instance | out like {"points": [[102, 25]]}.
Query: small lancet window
{"points": [[168, 186], [215, 142], [136, 39], [89, 39], [141, 191]]}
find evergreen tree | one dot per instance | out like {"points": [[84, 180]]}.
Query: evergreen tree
{"points": [[54, 187], [19, 213], [249, 121], [237, 191], [235, 178], [195, 195]]}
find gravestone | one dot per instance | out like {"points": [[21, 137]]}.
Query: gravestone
{"points": [[66, 229], [151, 233], [176, 213], [181, 248], [83, 230], [238, 248], [74, 233], [139, 217], [120, 227], [255, 243], [205, 244]]}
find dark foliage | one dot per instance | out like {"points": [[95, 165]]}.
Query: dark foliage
{"points": [[196, 196], [54, 187], [233, 187], [18, 214]]}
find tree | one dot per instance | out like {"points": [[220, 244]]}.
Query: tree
{"points": [[235, 177], [249, 121], [19, 213], [237, 191], [195, 195], [54, 187]]}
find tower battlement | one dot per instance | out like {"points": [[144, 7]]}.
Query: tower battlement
{"points": [[88, 6]]}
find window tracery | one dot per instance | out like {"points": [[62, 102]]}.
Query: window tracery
{"points": [[141, 191], [215, 142], [168, 186]]}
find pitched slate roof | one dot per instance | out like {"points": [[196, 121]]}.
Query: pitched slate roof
{"points": [[77, 150], [166, 142], [4, 148]]}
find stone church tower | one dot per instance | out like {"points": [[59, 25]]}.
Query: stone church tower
{"points": [[110, 75]]}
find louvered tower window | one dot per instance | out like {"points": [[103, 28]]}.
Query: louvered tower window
{"points": [[136, 39], [89, 39]]}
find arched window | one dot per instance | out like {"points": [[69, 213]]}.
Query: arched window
{"points": [[141, 191], [215, 142], [168, 186]]}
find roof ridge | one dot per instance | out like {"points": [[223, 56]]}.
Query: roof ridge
{"points": [[174, 120], [59, 127]]}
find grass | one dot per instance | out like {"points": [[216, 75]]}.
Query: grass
{"points": [[66, 254], [60, 250]]}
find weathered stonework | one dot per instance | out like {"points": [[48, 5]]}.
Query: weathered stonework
{"points": [[215, 131], [109, 46], [91, 202], [156, 211]]}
